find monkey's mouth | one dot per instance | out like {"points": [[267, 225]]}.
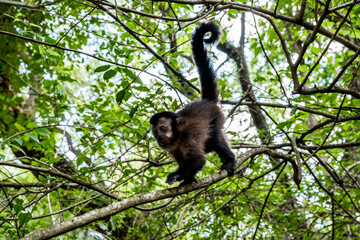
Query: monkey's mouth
{"points": [[163, 143]]}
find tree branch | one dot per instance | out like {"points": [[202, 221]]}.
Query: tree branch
{"points": [[27, 5], [62, 175], [117, 207]]}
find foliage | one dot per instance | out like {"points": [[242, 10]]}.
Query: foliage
{"points": [[79, 81]]}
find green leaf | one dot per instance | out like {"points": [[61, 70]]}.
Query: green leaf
{"points": [[17, 207], [50, 40], [43, 131], [33, 137], [17, 148], [128, 72], [36, 56], [132, 75], [128, 94], [281, 125], [109, 74], [120, 96], [41, 49], [67, 79], [81, 159], [53, 53], [223, 38], [133, 111], [18, 140], [42, 179], [287, 124], [258, 50], [316, 50], [293, 110], [137, 80], [53, 160], [233, 13], [2, 157], [32, 125], [102, 68], [85, 170], [101, 168], [24, 218], [303, 68], [4, 220], [34, 25], [129, 59], [48, 83]]}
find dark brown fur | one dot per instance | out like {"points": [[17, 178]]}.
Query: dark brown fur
{"points": [[197, 128]]}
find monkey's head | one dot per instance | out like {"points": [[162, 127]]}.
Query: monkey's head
{"points": [[164, 126]]}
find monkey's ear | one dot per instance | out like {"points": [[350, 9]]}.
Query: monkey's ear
{"points": [[180, 123]]}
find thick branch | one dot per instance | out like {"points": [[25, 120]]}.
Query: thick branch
{"points": [[27, 5], [310, 91], [117, 207], [305, 147]]}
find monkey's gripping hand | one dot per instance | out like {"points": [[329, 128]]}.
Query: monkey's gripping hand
{"points": [[173, 177], [229, 167]]}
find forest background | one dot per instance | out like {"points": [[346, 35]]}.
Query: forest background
{"points": [[80, 79]]}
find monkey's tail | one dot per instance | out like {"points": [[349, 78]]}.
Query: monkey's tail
{"points": [[209, 83]]}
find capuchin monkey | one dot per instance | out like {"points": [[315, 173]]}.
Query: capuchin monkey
{"points": [[196, 129]]}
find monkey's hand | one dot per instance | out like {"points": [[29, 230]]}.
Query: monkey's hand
{"points": [[188, 181], [173, 177], [229, 167]]}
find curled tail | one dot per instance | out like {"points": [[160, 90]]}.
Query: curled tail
{"points": [[207, 75]]}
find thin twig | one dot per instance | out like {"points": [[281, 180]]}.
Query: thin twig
{"points": [[245, 95], [325, 50], [267, 198], [74, 25]]}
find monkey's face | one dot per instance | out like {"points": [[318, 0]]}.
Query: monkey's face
{"points": [[163, 132]]}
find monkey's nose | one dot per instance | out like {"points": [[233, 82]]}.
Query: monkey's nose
{"points": [[161, 137]]}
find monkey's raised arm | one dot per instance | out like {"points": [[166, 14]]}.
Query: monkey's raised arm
{"points": [[206, 72]]}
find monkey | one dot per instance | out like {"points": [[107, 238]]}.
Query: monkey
{"points": [[197, 128]]}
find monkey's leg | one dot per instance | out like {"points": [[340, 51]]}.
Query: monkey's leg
{"points": [[221, 147], [187, 170]]}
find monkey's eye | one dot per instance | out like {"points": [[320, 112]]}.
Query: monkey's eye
{"points": [[162, 128]]}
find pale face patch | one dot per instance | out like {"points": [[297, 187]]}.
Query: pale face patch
{"points": [[163, 131]]}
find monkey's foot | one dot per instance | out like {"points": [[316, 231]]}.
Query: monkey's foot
{"points": [[188, 181], [229, 167], [173, 177]]}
